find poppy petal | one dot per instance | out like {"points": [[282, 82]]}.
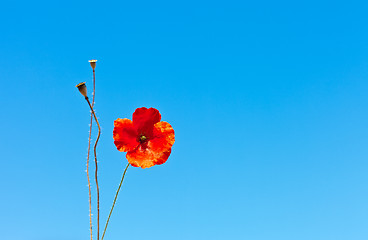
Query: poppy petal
{"points": [[144, 119], [125, 135], [163, 137], [145, 157]]}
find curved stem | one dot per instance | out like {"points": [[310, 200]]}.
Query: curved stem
{"points": [[96, 168], [113, 204]]}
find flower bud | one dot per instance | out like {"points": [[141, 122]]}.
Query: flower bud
{"points": [[82, 88], [93, 63]]}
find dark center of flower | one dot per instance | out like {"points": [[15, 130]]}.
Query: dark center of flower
{"points": [[142, 139]]}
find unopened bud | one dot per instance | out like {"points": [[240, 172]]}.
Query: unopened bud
{"points": [[93, 63], [82, 88]]}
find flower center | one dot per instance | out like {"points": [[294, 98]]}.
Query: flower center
{"points": [[142, 139]]}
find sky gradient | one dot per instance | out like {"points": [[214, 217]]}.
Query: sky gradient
{"points": [[268, 101]]}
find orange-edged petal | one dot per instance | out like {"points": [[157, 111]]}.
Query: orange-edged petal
{"points": [[125, 135], [144, 119], [163, 137], [145, 157]]}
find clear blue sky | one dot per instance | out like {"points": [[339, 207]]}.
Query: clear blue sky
{"points": [[268, 100]]}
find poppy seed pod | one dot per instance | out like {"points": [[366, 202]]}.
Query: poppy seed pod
{"points": [[82, 88], [93, 63]]}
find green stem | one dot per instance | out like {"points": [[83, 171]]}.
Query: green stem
{"points": [[113, 204]]}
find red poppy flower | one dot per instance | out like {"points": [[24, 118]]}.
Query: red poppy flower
{"points": [[146, 140]]}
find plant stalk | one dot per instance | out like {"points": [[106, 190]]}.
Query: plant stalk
{"points": [[113, 204]]}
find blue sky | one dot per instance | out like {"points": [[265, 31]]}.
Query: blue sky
{"points": [[268, 101]]}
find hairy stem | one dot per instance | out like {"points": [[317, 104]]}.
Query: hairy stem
{"points": [[89, 183], [96, 168], [113, 204], [89, 148]]}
